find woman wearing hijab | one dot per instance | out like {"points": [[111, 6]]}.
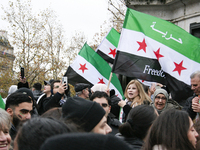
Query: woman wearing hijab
{"points": [[162, 101]]}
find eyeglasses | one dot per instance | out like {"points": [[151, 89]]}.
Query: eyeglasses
{"points": [[162, 98], [104, 105]]}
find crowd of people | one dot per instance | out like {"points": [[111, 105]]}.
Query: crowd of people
{"points": [[51, 118]]}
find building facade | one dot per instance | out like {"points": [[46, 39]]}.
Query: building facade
{"points": [[6, 51]]}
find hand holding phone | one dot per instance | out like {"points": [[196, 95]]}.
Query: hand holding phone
{"points": [[22, 72], [64, 81]]}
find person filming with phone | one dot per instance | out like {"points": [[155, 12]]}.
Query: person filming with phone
{"points": [[60, 92], [22, 82]]}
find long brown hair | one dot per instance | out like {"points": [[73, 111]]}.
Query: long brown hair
{"points": [[170, 131], [142, 96]]}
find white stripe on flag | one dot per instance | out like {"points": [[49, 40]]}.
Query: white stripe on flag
{"points": [[92, 74], [105, 47], [130, 45]]}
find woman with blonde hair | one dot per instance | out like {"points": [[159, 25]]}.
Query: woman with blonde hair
{"points": [[5, 125], [135, 95]]}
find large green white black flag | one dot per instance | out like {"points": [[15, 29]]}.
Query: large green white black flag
{"points": [[153, 49], [108, 47], [89, 67]]}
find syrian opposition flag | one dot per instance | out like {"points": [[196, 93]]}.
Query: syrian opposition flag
{"points": [[2, 104], [156, 50], [89, 67], [107, 48]]}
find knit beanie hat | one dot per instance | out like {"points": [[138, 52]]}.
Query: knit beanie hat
{"points": [[160, 91], [99, 87], [85, 113], [84, 141]]}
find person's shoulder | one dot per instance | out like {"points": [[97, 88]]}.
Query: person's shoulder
{"points": [[47, 98], [188, 101], [119, 135], [134, 142], [173, 104], [115, 122], [190, 98], [12, 131], [41, 98]]}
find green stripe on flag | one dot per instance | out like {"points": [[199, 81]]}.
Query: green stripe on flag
{"points": [[2, 104], [113, 37], [164, 32], [100, 64]]}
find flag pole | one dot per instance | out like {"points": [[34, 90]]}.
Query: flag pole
{"points": [[109, 80]]}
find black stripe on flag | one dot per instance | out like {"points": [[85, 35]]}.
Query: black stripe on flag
{"points": [[178, 89], [139, 67], [74, 77], [105, 57]]}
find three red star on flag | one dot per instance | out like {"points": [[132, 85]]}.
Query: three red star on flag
{"points": [[179, 67], [101, 81], [143, 45], [158, 55], [83, 68], [112, 52]]}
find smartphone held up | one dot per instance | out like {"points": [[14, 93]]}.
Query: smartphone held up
{"points": [[22, 72], [65, 81]]}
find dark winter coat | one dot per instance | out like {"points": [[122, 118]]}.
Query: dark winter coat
{"points": [[133, 142], [113, 123], [188, 107]]}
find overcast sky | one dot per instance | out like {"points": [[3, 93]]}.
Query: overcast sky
{"points": [[75, 15]]}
